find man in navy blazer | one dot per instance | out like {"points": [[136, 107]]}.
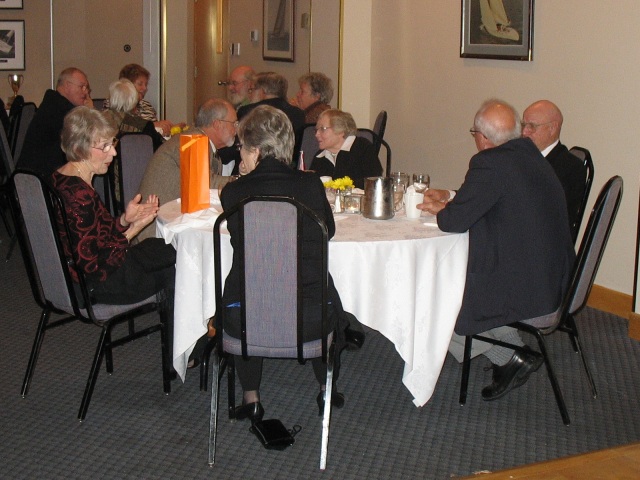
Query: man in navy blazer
{"points": [[542, 123], [520, 248]]}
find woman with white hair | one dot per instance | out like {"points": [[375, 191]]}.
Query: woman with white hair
{"points": [[123, 101], [266, 145]]}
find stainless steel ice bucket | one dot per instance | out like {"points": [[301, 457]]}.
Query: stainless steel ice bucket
{"points": [[378, 198]]}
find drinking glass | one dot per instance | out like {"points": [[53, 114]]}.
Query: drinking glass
{"points": [[398, 194], [331, 197], [421, 182], [401, 177]]}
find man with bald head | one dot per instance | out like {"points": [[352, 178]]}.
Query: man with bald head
{"points": [[542, 122], [239, 84], [41, 150], [520, 249]]}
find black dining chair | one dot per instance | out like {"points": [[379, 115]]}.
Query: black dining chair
{"points": [[375, 140], [584, 272], [134, 151], [271, 297], [36, 209], [584, 155]]}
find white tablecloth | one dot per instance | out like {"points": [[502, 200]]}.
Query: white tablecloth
{"points": [[404, 278]]}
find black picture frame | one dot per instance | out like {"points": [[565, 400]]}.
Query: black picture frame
{"points": [[278, 30], [12, 45], [11, 4], [496, 29]]}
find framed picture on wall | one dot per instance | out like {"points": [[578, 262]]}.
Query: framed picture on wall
{"points": [[17, 4], [501, 29], [278, 30], [11, 44]]}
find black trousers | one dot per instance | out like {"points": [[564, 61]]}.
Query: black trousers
{"points": [[149, 268]]}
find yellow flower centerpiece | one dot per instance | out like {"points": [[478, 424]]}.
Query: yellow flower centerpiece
{"points": [[344, 183]]}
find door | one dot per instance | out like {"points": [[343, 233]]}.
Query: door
{"points": [[211, 28]]}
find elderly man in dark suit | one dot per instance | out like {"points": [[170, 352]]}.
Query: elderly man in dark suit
{"points": [[520, 249], [41, 150], [542, 122]]}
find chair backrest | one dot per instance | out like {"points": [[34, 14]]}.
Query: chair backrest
{"points": [[592, 246], [134, 152], [375, 140], [271, 263], [24, 120], [379, 127], [7, 165], [98, 103], [309, 144], [584, 155], [42, 252]]}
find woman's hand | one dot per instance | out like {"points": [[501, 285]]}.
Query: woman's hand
{"points": [[138, 215], [165, 126]]}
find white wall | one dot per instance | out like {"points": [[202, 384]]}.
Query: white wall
{"points": [[585, 60]]}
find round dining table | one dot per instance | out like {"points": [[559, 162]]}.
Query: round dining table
{"points": [[402, 277]]}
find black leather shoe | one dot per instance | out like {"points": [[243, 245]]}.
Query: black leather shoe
{"points": [[512, 375], [253, 411], [337, 401], [353, 339]]}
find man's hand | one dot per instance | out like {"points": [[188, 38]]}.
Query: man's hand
{"points": [[434, 200]]}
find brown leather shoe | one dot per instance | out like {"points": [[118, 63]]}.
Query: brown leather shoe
{"points": [[512, 375]]}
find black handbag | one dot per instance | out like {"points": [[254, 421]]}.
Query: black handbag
{"points": [[273, 434]]}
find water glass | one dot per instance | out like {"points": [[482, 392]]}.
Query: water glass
{"points": [[331, 196], [398, 195], [401, 177], [421, 182]]}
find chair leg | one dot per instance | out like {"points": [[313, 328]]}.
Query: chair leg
{"points": [[12, 245], [93, 374], [552, 378], [35, 350], [324, 446], [165, 347], [204, 364], [213, 420], [466, 367], [108, 352], [231, 384], [577, 347]]}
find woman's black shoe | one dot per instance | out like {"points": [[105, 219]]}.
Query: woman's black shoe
{"points": [[337, 401], [253, 411], [353, 339]]}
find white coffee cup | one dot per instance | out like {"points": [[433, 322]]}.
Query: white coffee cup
{"points": [[411, 199]]}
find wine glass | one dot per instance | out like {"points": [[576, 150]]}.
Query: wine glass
{"points": [[421, 182]]}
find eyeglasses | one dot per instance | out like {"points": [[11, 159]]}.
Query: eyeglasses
{"points": [[533, 126], [234, 122], [108, 146], [473, 132], [81, 86], [240, 146], [322, 129]]}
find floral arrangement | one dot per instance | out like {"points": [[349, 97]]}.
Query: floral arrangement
{"points": [[339, 183]]}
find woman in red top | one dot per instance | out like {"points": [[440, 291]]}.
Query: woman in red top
{"points": [[116, 272]]}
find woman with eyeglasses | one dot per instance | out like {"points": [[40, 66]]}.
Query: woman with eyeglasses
{"points": [[116, 271], [342, 153]]}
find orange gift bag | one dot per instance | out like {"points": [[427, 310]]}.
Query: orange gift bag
{"points": [[194, 172]]}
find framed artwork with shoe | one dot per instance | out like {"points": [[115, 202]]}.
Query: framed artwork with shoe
{"points": [[497, 29]]}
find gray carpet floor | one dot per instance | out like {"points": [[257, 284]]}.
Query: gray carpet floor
{"points": [[134, 431]]}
